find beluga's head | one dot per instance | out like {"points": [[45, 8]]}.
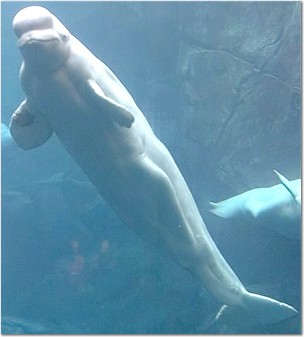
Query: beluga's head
{"points": [[43, 40]]}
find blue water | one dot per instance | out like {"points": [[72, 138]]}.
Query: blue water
{"points": [[196, 70]]}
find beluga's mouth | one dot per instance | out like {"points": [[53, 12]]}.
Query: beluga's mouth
{"points": [[39, 36], [26, 41]]}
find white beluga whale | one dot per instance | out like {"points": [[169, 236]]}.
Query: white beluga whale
{"points": [[278, 207], [8, 145], [73, 94]]}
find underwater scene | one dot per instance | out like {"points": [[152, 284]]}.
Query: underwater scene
{"points": [[164, 199]]}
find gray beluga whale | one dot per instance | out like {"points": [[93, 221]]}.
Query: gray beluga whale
{"points": [[277, 207], [73, 94]]}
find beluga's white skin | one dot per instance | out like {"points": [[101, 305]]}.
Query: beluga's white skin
{"points": [[277, 208], [72, 93]]}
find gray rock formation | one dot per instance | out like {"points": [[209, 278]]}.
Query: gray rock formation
{"points": [[240, 70]]}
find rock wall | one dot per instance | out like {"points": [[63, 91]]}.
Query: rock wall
{"points": [[240, 75]]}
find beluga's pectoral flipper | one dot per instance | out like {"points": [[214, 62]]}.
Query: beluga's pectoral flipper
{"points": [[120, 114], [27, 129], [295, 191]]}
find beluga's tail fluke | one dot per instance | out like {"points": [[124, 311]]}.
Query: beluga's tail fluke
{"points": [[268, 310], [256, 309]]}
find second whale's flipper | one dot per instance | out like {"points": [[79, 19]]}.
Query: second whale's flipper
{"points": [[248, 203], [226, 208], [296, 193], [8, 145]]}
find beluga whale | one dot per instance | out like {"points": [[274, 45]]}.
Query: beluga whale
{"points": [[73, 94], [277, 208], [8, 145]]}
